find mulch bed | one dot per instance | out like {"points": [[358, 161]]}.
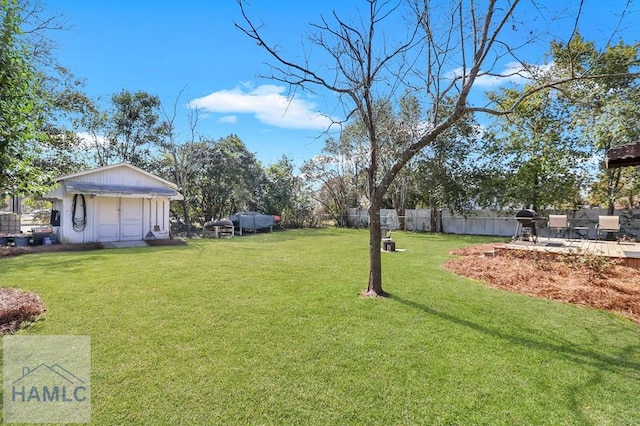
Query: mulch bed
{"points": [[167, 242], [18, 307], [583, 280]]}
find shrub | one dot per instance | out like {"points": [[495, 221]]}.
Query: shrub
{"points": [[596, 266]]}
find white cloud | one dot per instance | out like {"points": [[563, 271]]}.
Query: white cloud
{"points": [[513, 73], [88, 140], [267, 103], [232, 119]]}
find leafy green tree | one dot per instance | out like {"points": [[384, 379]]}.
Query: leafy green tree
{"points": [[229, 181], [182, 164], [543, 162], [444, 174], [630, 193], [64, 150], [627, 188], [21, 106], [612, 124], [606, 109], [39, 102], [285, 194], [304, 208], [125, 132], [132, 128], [444, 178]]}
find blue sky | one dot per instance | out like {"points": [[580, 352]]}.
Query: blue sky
{"points": [[163, 47]]}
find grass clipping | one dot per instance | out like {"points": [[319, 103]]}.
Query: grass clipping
{"points": [[582, 279], [18, 308]]}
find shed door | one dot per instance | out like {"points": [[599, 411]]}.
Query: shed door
{"points": [[108, 219], [119, 219], [130, 219]]}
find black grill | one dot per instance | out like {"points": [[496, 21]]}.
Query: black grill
{"points": [[526, 229], [526, 216]]}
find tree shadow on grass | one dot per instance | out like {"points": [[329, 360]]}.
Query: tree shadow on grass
{"points": [[619, 363], [616, 363]]}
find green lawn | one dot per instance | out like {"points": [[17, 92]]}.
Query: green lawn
{"points": [[269, 329]]}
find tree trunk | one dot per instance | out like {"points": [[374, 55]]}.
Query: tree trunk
{"points": [[187, 219], [400, 212], [611, 209], [613, 183], [434, 220], [398, 198], [374, 288]]}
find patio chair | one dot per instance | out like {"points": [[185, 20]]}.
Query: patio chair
{"points": [[608, 224], [559, 222]]}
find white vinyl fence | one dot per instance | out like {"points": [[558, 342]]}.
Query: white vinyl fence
{"points": [[494, 223]]}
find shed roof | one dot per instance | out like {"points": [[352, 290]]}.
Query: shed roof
{"points": [[113, 190], [114, 166], [623, 155], [109, 182]]}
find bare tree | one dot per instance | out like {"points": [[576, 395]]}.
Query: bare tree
{"points": [[183, 167], [338, 171], [447, 47]]}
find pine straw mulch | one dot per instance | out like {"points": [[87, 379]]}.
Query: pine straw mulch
{"points": [[18, 307], [588, 280]]}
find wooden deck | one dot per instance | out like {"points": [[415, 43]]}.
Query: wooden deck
{"points": [[628, 252]]}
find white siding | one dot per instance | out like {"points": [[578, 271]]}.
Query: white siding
{"points": [[66, 233], [117, 176], [114, 216]]}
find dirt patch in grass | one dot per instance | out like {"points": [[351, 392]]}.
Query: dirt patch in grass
{"points": [[167, 242], [17, 251], [17, 308], [587, 280]]}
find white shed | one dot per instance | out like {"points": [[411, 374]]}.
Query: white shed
{"points": [[119, 202]]}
